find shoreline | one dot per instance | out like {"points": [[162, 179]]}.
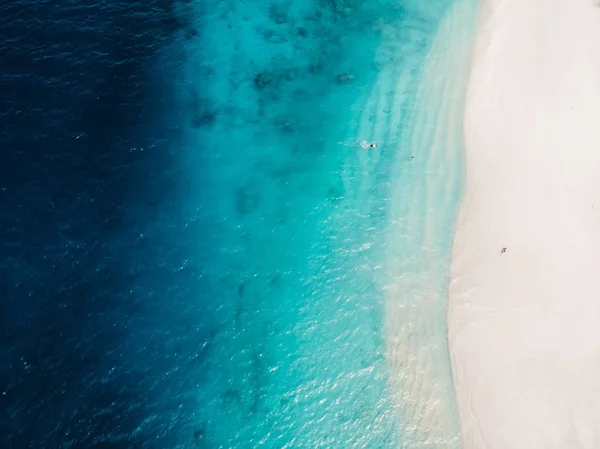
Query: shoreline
{"points": [[524, 308], [423, 208]]}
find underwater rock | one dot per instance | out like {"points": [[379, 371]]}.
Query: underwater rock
{"points": [[277, 15], [191, 33], [199, 436], [275, 281], [315, 15], [206, 118], [343, 8], [315, 68], [344, 78], [206, 72], [246, 200], [283, 125], [302, 32], [202, 109], [229, 396], [263, 79]]}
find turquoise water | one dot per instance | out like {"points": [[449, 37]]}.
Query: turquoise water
{"points": [[324, 265]]}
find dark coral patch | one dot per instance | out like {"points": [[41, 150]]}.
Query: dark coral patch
{"points": [[246, 200], [205, 118], [263, 79]]}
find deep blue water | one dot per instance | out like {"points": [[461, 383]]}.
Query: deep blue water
{"points": [[86, 179], [196, 251]]}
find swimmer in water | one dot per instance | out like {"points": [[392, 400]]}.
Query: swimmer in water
{"points": [[366, 145]]}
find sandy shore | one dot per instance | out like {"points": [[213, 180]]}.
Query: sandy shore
{"points": [[524, 324]]}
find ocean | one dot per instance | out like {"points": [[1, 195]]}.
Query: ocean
{"points": [[198, 251]]}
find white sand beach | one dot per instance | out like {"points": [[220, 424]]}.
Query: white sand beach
{"points": [[524, 324]]}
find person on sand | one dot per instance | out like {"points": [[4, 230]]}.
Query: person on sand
{"points": [[366, 145]]}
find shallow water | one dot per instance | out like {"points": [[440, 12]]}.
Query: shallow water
{"points": [[306, 249], [422, 218], [209, 258]]}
